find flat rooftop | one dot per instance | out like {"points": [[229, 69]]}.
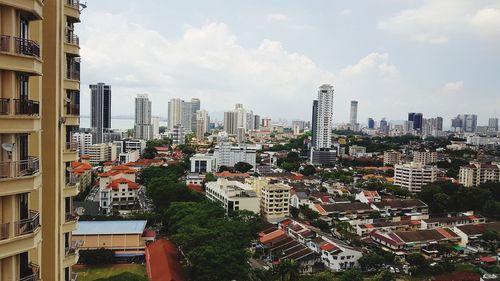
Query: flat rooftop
{"points": [[110, 227]]}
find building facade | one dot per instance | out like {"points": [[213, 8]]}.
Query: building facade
{"points": [[233, 195], [425, 157], [143, 128], [274, 201], [100, 110], [414, 176], [353, 117], [475, 174], [392, 157]]}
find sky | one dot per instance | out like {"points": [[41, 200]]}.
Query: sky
{"points": [[438, 57]]}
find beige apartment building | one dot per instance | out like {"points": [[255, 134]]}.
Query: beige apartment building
{"points": [[39, 109], [475, 174], [274, 201], [392, 157], [425, 157], [414, 176]]}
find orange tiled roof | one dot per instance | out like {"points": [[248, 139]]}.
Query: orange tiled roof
{"points": [[116, 183]]}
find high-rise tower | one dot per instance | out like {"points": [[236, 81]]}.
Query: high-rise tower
{"points": [[143, 129], [100, 110], [354, 116], [325, 117]]}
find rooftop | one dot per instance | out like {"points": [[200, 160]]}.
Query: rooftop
{"points": [[110, 227]]}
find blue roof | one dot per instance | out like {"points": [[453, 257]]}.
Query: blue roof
{"points": [[110, 227]]}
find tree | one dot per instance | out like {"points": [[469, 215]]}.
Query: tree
{"points": [[163, 191], [288, 270], [223, 169], [308, 170], [375, 215], [351, 275], [149, 153], [210, 177], [242, 167], [371, 261], [383, 276], [96, 257]]}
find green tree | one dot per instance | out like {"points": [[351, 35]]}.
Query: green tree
{"points": [[223, 168], [149, 153], [163, 191], [383, 276], [371, 261], [308, 170], [242, 167], [210, 177], [96, 257], [351, 275], [288, 270]]}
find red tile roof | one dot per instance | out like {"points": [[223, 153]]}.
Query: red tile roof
{"points": [[116, 183], [328, 247], [271, 236], [163, 262], [195, 187], [227, 174]]}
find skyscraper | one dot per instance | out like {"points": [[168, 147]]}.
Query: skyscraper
{"points": [[384, 126], [314, 122], [256, 122], [100, 106], [493, 125], [371, 123], [195, 106], [418, 119], [174, 112], [354, 116], [143, 129], [186, 115], [202, 120], [155, 123], [230, 122], [325, 117], [469, 122]]}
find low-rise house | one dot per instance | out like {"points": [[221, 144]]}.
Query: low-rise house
{"points": [[299, 198], [118, 189], [123, 237], [451, 221], [348, 211], [470, 235], [338, 257], [368, 196], [409, 241], [387, 226], [195, 178], [402, 207], [83, 172]]}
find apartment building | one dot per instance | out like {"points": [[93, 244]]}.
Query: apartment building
{"points": [[227, 154], [274, 201], [414, 176], [233, 195], [475, 174], [425, 157], [202, 163], [21, 140], [102, 152], [356, 150], [392, 157], [117, 189]]}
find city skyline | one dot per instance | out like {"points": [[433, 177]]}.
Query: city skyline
{"points": [[371, 66]]}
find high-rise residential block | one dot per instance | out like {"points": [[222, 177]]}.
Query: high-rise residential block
{"points": [[466, 123], [143, 129], [353, 120], [155, 123], [371, 123], [174, 112], [274, 201], [493, 125], [230, 122], [256, 122], [414, 176], [392, 157], [100, 110], [324, 117], [384, 127], [195, 106], [202, 120], [425, 157]]}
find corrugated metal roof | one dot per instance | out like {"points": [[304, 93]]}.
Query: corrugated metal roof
{"points": [[110, 227]]}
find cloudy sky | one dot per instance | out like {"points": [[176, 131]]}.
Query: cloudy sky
{"points": [[439, 57]]}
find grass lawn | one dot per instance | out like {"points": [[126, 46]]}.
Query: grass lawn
{"points": [[93, 273]]}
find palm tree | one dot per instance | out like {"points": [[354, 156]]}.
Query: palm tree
{"points": [[289, 270]]}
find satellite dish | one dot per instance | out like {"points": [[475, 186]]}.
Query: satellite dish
{"points": [[69, 169], [8, 147], [80, 211]]}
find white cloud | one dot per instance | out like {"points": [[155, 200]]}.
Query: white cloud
{"points": [[375, 63], [345, 12], [205, 62], [279, 17], [453, 87], [435, 21]]}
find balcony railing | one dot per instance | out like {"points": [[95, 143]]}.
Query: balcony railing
{"points": [[71, 147], [19, 168], [28, 225], [4, 106], [27, 107], [72, 109], [4, 43], [74, 276], [72, 180], [74, 3], [26, 47], [4, 231], [73, 74], [71, 216], [73, 248], [35, 276], [72, 38]]}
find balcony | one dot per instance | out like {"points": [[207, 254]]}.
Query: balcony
{"points": [[18, 54], [19, 168], [29, 225], [35, 276], [72, 9], [73, 74], [73, 3], [72, 46], [72, 38], [26, 47], [27, 107], [4, 231], [73, 248], [4, 106], [74, 276], [72, 187], [71, 217], [70, 152]]}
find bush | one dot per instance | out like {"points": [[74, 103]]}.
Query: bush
{"points": [[96, 257]]}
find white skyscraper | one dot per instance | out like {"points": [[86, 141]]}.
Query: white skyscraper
{"points": [[155, 123], [325, 117], [493, 125], [354, 116], [174, 112], [195, 106], [143, 128]]}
